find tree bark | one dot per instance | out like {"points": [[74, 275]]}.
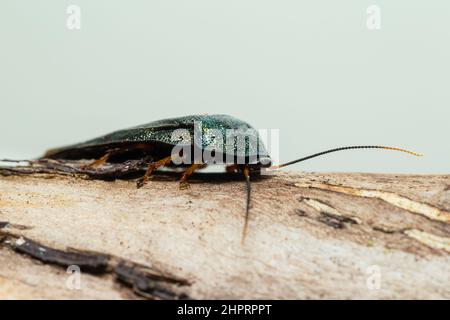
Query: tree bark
{"points": [[310, 235]]}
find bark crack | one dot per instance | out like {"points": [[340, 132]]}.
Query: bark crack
{"points": [[394, 199], [142, 280]]}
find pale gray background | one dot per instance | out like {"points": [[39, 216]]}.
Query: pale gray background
{"points": [[310, 68]]}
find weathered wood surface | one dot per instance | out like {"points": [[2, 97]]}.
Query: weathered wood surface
{"points": [[310, 235]]}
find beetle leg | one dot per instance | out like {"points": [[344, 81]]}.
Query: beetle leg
{"points": [[152, 166], [186, 174], [111, 152], [97, 163]]}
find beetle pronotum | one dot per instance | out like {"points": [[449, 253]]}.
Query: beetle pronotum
{"points": [[154, 141]]}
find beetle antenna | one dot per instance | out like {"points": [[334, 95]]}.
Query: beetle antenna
{"points": [[247, 210], [342, 149]]}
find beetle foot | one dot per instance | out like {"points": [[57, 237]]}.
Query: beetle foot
{"points": [[184, 185], [141, 182]]}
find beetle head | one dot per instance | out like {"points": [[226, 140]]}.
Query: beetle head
{"points": [[262, 162]]}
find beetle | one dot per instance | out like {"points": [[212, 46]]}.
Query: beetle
{"points": [[155, 142]]}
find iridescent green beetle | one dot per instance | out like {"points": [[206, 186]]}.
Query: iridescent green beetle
{"points": [[158, 139], [234, 141]]}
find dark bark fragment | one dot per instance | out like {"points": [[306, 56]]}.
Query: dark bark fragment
{"points": [[91, 263]]}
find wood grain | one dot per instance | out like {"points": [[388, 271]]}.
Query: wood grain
{"points": [[311, 235]]}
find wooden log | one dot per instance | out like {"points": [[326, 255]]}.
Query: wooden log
{"points": [[310, 235]]}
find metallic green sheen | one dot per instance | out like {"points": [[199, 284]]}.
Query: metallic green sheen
{"points": [[162, 130]]}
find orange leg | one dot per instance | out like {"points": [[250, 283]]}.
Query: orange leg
{"points": [[111, 152], [183, 182], [154, 165], [99, 162]]}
